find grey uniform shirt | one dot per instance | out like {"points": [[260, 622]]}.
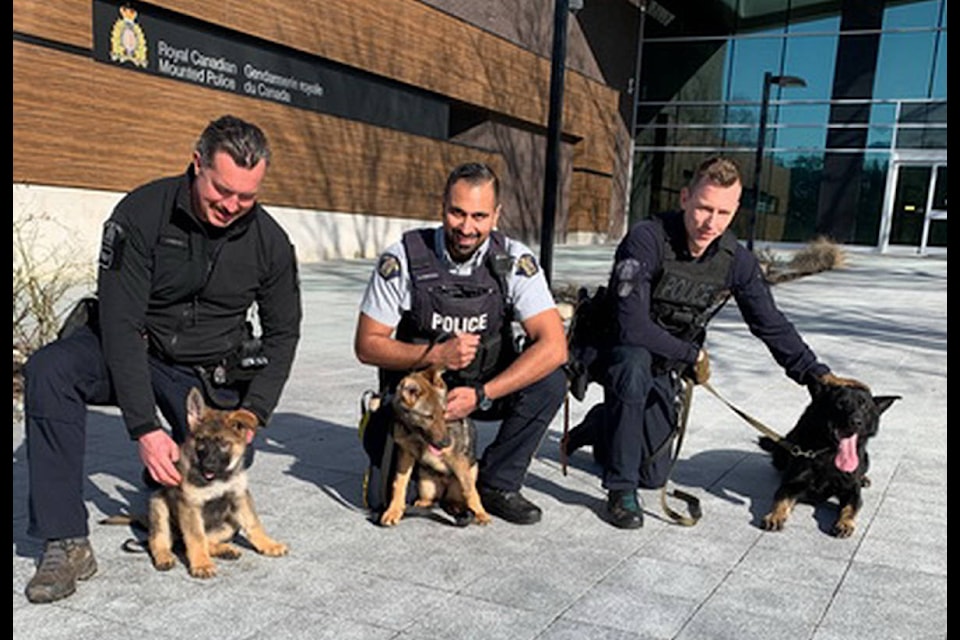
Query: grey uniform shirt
{"points": [[387, 295]]}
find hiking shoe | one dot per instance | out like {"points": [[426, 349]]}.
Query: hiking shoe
{"points": [[509, 506], [623, 510], [63, 563]]}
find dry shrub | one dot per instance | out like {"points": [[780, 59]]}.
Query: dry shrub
{"points": [[821, 254], [42, 280]]}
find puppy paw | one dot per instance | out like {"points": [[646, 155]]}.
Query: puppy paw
{"points": [[274, 549], [391, 517], [164, 561], [482, 517], [844, 528], [774, 521], [203, 571], [423, 503]]}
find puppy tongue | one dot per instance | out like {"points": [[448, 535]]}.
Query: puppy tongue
{"points": [[434, 450], [846, 459]]}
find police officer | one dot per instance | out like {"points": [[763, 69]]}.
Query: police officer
{"points": [[671, 275], [182, 261], [448, 296]]}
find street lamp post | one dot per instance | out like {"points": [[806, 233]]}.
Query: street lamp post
{"points": [[768, 80], [554, 132]]}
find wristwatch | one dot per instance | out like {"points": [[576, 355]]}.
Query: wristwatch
{"points": [[483, 402]]}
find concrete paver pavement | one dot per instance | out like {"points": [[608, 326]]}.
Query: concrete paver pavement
{"points": [[572, 576]]}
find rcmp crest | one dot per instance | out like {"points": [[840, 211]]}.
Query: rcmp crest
{"points": [[527, 265], [388, 267], [127, 40]]}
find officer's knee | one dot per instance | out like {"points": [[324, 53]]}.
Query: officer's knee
{"points": [[45, 363]]}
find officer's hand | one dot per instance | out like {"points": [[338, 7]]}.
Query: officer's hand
{"points": [[459, 351], [830, 379], [700, 369], [159, 452], [461, 401]]}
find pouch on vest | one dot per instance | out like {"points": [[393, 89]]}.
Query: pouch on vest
{"points": [[86, 313], [589, 333], [377, 440]]}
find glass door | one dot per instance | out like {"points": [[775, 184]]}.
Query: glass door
{"points": [[915, 204]]}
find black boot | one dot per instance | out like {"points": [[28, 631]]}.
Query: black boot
{"points": [[624, 510]]}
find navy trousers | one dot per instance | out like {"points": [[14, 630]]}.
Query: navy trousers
{"points": [[639, 407], [60, 381], [526, 415]]}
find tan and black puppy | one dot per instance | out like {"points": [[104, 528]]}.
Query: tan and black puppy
{"points": [[212, 503], [444, 452], [825, 454]]}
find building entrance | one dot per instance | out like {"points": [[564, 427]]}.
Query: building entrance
{"points": [[915, 202]]}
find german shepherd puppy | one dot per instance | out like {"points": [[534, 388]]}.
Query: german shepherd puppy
{"points": [[443, 451], [212, 502], [826, 454]]}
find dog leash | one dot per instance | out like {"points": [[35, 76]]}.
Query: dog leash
{"points": [[791, 448], [693, 502]]}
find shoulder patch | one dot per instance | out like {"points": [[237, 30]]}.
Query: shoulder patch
{"points": [[389, 266], [527, 265], [111, 245], [625, 274]]}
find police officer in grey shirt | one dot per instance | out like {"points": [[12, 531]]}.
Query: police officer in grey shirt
{"points": [[451, 296]]}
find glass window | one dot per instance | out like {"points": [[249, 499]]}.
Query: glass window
{"points": [[939, 89], [904, 65], [749, 59], [811, 58]]}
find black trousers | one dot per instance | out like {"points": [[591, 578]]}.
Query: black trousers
{"points": [[60, 381]]}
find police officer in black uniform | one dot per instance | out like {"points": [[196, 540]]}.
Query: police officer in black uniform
{"points": [[184, 261], [449, 296], [671, 274]]}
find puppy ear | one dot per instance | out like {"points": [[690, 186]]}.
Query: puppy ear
{"points": [[195, 408], [409, 391], [883, 402], [246, 419], [436, 376]]}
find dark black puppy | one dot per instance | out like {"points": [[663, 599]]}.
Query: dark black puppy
{"points": [[825, 454]]}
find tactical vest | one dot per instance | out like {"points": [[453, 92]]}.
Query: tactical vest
{"points": [[443, 304], [687, 294]]}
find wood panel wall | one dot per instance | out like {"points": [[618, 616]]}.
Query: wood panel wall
{"points": [[86, 124]]}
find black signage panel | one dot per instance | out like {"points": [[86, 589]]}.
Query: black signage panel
{"points": [[152, 40]]}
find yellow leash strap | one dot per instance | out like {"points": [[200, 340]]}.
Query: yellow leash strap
{"points": [[692, 502]]}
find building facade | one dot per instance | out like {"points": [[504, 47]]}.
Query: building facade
{"points": [[368, 106], [855, 130]]}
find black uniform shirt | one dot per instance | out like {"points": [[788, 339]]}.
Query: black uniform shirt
{"points": [[639, 256], [181, 289]]}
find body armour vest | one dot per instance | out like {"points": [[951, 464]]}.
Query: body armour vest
{"points": [[687, 294], [443, 304]]}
